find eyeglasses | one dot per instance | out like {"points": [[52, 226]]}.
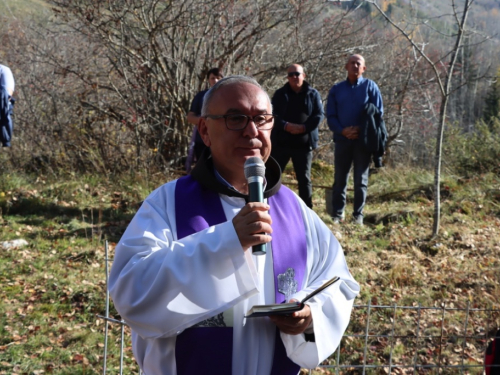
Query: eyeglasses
{"points": [[294, 74], [240, 122]]}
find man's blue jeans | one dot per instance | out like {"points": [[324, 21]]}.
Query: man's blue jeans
{"points": [[347, 153]]}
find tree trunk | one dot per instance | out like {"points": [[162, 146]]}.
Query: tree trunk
{"points": [[442, 114], [437, 165]]}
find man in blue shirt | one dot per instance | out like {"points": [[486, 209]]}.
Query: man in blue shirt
{"points": [[345, 111], [298, 112]]}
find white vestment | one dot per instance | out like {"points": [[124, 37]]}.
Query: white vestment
{"points": [[161, 285]]}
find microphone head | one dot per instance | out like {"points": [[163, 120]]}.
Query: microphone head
{"points": [[253, 167]]}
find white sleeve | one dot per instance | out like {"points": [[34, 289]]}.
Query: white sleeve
{"points": [[161, 285], [7, 79], [331, 309]]}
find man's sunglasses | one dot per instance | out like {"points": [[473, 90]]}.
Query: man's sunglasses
{"points": [[294, 74]]}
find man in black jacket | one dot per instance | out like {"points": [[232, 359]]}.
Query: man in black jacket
{"points": [[298, 112]]}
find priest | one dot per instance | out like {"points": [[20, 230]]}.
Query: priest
{"points": [[184, 274]]}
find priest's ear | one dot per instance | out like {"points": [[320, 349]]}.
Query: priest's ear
{"points": [[203, 130]]}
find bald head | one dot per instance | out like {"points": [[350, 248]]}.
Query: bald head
{"points": [[226, 82], [295, 68], [296, 76], [355, 67], [357, 57]]}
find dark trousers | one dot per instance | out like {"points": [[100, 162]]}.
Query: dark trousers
{"points": [[302, 160], [349, 153]]}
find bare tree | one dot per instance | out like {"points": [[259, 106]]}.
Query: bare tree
{"points": [[153, 56], [133, 66], [108, 84], [443, 73]]}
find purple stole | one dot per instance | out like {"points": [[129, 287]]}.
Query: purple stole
{"points": [[209, 349]]}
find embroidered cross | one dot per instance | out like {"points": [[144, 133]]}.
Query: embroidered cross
{"points": [[287, 284]]}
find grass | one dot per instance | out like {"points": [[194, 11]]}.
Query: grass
{"points": [[53, 288], [15, 9]]}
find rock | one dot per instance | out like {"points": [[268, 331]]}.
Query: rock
{"points": [[14, 244]]}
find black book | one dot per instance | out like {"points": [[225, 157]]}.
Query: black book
{"points": [[286, 308]]}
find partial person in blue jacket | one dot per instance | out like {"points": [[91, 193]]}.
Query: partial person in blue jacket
{"points": [[197, 146], [7, 86], [347, 116], [298, 112]]}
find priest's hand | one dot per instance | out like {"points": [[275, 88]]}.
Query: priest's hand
{"points": [[253, 224], [294, 324]]}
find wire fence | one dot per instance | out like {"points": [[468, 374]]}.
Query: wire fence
{"points": [[391, 339]]}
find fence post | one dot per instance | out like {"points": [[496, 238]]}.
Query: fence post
{"points": [[106, 260], [366, 335], [465, 336], [338, 357], [122, 344], [392, 337], [417, 339], [442, 333]]}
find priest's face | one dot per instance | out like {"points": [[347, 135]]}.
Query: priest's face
{"points": [[231, 148]]}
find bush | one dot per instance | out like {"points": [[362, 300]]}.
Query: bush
{"points": [[473, 153]]}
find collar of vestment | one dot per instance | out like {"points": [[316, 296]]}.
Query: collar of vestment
{"points": [[223, 180], [204, 173]]}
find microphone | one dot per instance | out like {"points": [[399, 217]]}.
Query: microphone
{"points": [[255, 171]]}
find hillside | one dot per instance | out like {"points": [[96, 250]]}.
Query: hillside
{"points": [[483, 18]]}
